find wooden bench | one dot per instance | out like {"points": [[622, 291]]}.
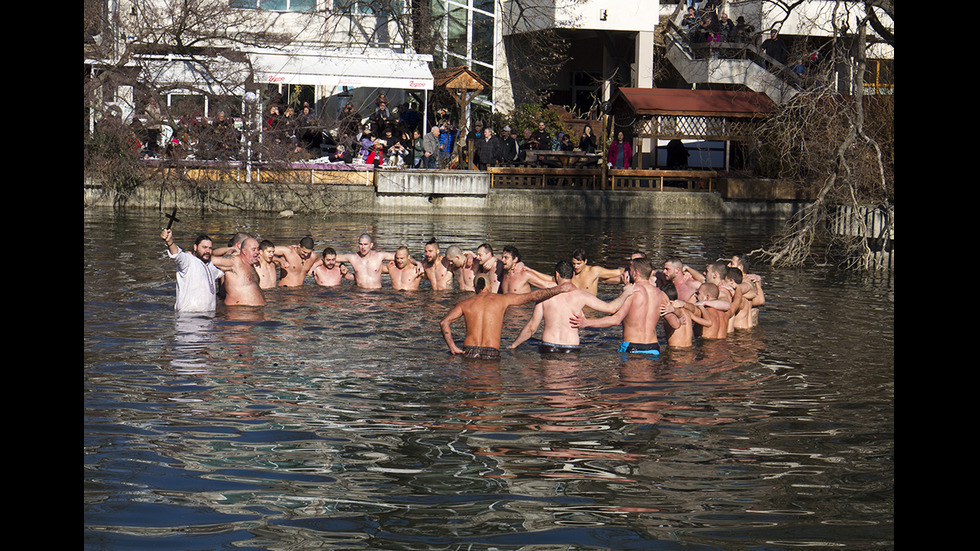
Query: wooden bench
{"points": [[654, 178]]}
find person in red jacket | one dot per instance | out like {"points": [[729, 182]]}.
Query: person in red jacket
{"points": [[620, 152]]}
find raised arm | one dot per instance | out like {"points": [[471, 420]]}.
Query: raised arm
{"points": [[612, 306], [760, 297], [610, 276], [515, 299], [695, 275], [579, 319], [168, 239]]}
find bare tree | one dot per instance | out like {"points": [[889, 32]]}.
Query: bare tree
{"points": [[839, 155]]}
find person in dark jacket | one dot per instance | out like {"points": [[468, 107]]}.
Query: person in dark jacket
{"points": [[489, 150]]}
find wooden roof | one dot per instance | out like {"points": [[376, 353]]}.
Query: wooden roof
{"points": [[458, 78], [717, 103]]}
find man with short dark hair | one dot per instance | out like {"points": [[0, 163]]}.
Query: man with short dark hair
{"points": [[639, 315], [483, 314], [196, 274], [299, 260], [558, 334]]}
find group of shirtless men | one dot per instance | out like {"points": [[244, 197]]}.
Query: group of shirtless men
{"points": [[712, 303]]}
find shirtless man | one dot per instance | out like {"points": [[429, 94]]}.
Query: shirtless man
{"points": [[558, 334], [684, 283], [639, 314], [588, 277], [268, 267], [483, 314], [756, 299], [689, 314], [241, 279], [517, 278], [299, 260], [366, 262], [490, 266], [405, 273], [437, 267], [718, 328], [462, 264], [328, 273]]}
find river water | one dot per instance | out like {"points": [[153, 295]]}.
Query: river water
{"points": [[336, 419]]}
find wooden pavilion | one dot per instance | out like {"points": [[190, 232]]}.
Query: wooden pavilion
{"points": [[463, 85], [710, 115]]}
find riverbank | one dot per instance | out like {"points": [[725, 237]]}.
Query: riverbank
{"points": [[420, 192]]}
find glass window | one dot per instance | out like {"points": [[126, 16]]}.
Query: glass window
{"points": [[275, 5]]}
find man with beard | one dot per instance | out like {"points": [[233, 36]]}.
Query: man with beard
{"points": [[196, 274], [328, 273], [300, 259], [366, 262], [404, 272], [438, 268]]}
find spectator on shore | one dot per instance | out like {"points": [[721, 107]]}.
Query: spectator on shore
{"points": [[430, 148], [742, 31], [417, 148], [620, 152], [587, 142], [489, 150], [541, 137], [775, 47], [511, 148]]}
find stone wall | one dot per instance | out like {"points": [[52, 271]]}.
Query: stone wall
{"points": [[432, 192]]}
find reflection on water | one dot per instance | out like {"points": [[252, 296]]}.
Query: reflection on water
{"points": [[335, 419]]}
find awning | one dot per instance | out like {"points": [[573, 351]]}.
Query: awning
{"points": [[719, 103], [211, 75], [353, 68]]}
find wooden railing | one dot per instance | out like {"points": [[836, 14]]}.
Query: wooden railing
{"points": [[655, 178], [591, 178], [544, 178]]}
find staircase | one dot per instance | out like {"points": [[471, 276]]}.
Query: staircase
{"points": [[746, 65]]}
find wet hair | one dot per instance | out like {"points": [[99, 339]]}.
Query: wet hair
{"points": [[306, 242], [201, 237], [487, 247], [266, 244], [742, 261], [719, 268], [480, 282], [238, 238], [733, 274], [329, 250], [579, 254], [564, 269], [452, 251], [711, 289], [643, 267], [512, 250]]}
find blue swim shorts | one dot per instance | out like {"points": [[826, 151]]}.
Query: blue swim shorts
{"points": [[636, 348]]}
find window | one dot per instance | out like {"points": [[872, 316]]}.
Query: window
{"points": [[879, 76], [275, 5], [369, 7]]}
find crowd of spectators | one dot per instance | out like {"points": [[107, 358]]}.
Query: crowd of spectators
{"points": [[704, 25], [385, 137]]}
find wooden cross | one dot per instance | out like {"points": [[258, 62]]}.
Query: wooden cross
{"points": [[173, 218]]}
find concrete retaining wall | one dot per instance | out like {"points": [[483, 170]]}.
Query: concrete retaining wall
{"points": [[421, 192]]}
